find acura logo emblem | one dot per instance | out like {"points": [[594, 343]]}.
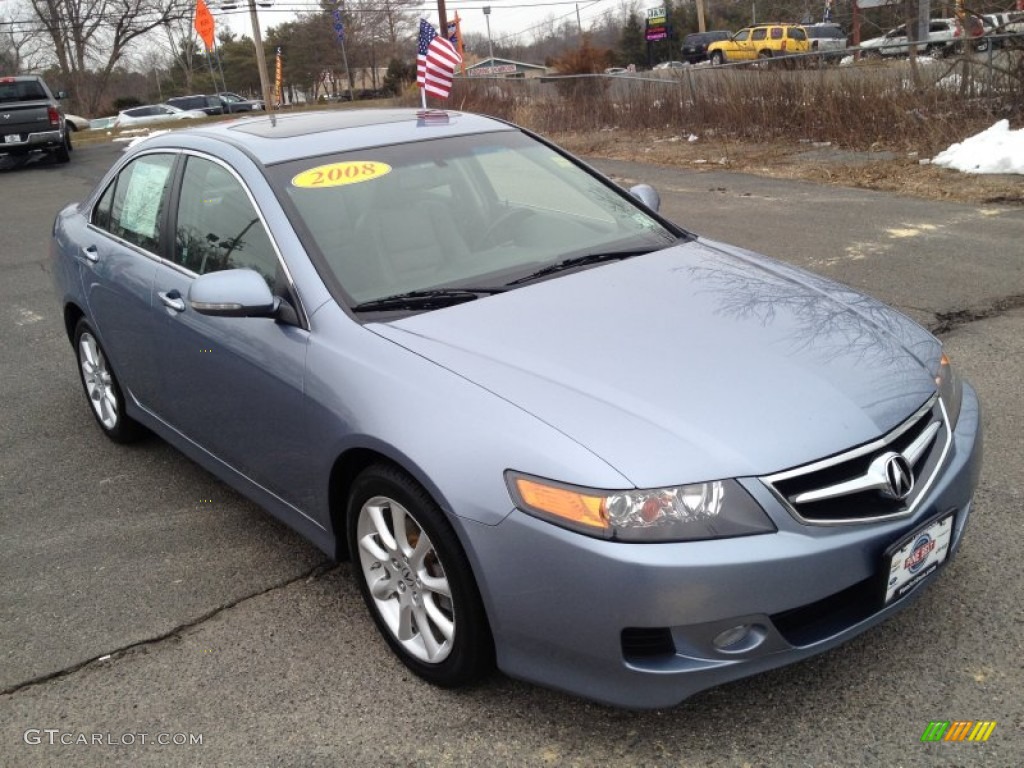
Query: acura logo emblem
{"points": [[899, 476]]}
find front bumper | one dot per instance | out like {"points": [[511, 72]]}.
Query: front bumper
{"points": [[633, 624]]}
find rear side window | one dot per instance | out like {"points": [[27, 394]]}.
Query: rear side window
{"points": [[777, 33], [133, 206]]}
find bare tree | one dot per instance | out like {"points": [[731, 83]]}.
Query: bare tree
{"points": [[184, 50], [19, 44], [90, 37]]}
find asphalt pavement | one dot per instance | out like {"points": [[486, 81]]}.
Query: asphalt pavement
{"points": [[143, 601]]}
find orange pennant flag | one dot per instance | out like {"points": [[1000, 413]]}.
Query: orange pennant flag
{"points": [[204, 23]]}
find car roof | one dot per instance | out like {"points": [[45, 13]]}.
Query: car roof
{"points": [[266, 137]]}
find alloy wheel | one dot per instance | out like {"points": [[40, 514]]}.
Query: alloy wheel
{"points": [[99, 384], [406, 579]]}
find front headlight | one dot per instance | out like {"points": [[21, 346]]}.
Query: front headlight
{"points": [[714, 510], [950, 389]]}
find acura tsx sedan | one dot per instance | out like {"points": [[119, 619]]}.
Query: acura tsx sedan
{"points": [[554, 431]]}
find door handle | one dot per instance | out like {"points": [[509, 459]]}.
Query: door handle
{"points": [[172, 300], [90, 254]]}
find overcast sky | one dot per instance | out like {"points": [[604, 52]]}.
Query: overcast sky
{"points": [[508, 17]]}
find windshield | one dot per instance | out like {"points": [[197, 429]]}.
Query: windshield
{"points": [[478, 211]]}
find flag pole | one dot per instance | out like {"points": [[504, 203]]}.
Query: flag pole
{"points": [[339, 33], [216, 52]]}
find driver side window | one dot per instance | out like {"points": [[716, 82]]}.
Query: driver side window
{"points": [[217, 225]]}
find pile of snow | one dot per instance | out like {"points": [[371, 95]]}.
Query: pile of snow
{"points": [[996, 150]]}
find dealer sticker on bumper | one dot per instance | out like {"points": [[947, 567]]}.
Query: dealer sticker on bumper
{"points": [[917, 557]]}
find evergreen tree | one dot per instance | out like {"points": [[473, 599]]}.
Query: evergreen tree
{"points": [[632, 46]]}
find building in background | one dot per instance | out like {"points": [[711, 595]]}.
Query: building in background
{"points": [[505, 68]]}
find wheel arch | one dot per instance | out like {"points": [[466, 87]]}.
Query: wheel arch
{"points": [[72, 314], [346, 469]]}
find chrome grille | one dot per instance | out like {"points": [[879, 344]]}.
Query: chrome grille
{"points": [[866, 483]]}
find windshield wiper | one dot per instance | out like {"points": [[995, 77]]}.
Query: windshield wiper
{"points": [[583, 261], [433, 298]]}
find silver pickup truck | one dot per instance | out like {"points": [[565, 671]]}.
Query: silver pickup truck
{"points": [[31, 118]]}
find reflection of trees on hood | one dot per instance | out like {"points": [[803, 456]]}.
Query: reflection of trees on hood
{"points": [[814, 314]]}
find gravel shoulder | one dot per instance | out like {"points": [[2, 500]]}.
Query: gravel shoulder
{"points": [[878, 168]]}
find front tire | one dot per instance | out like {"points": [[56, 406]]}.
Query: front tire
{"points": [[102, 388], [717, 58], [416, 579]]}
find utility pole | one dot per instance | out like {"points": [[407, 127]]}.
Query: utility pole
{"points": [[490, 45], [261, 59], [443, 18]]}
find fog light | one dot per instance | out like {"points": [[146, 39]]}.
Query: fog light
{"points": [[739, 639]]}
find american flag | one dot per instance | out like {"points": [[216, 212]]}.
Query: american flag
{"points": [[435, 62]]}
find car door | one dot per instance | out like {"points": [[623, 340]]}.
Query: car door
{"points": [[896, 42], [232, 385], [212, 105], [740, 47], [757, 43], [119, 253]]}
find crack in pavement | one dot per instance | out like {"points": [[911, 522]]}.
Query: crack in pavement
{"points": [[945, 322], [318, 570]]}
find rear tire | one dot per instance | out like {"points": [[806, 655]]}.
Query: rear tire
{"points": [[102, 389], [63, 153], [416, 579]]}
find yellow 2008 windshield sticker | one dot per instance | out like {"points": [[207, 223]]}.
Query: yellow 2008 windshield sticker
{"points": [[339, 174]]}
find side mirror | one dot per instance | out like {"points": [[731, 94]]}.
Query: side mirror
{"points": [[647, 195], [232, 293]]}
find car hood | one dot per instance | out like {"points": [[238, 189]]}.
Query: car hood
{"points": [[693, 363]]}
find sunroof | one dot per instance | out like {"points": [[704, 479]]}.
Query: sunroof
{"points": [[303, 124]]}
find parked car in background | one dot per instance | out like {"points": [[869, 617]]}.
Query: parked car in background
{"points": [[102, 123], [670, 65], [76, 123], [695, 45], [154, 113], [456, 357], [31, 118], [764, 41], [827, 40], [235, 103], [216, 103], [942, 39], [982, 31], [210, 105]]}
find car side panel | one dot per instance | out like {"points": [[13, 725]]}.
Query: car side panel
{"points": [[116, 290], [234, 386]]}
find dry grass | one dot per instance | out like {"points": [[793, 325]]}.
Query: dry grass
{"points": [[870, 169], [865, 125]]}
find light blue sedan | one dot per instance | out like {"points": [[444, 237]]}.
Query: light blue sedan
{"points": [[553, 431]]}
